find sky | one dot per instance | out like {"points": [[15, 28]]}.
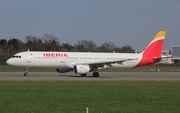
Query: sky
{"points": [[123, 22]]}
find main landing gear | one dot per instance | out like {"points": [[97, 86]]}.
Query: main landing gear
{"points": [[95, 74], [26, 72]]}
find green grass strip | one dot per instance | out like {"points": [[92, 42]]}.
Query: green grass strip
{"points": [[74, 97]]}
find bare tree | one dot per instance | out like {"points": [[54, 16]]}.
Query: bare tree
{"points": [[21, 46], [84, 45], [40, 45], [125, 49], [107, 47], [66, 47], [33, 43], [51, 42], [3, 46]]}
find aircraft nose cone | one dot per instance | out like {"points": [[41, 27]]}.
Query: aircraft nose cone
{"points": [[9, 62]]}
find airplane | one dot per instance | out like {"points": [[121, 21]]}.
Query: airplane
{"points": [[85, 62]]}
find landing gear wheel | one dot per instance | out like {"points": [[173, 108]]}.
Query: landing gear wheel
{"points": [[26, 74], [83, 75], [95, 74]]}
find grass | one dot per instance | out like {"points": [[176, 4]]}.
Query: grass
{"points": [[140, 69], [74, 97]]}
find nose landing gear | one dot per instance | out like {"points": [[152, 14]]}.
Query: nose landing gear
{"points": [[26, 72]]}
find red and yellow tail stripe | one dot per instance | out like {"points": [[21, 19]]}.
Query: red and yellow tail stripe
{"points": [[153, 50], [156, 44]]}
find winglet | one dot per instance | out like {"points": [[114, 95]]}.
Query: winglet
{"points": [[156, 44]]}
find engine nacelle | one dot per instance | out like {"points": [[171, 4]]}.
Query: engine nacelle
{"points": [[63, 70], [81, 69]]}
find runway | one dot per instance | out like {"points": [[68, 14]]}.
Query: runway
{"points": [[104, 76]]}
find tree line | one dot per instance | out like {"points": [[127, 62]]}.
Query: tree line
{"points": [[50, 42]]}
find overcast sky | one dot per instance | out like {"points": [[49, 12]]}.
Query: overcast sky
{"points": [[124, 22]]}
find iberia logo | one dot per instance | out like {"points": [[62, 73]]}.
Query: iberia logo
{"points": [[55, 55]]}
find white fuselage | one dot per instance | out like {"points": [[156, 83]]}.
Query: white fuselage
{"points": [[31, 59]]}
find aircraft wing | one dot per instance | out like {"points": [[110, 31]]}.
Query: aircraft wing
{"points": [[95, 65]]}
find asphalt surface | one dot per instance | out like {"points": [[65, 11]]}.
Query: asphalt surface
{"points": [[104, 76]]}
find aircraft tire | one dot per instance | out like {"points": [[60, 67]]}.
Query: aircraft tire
{"points": [[25, 74], [95, 74]]}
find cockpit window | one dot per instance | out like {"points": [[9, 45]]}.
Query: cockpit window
{"points": [[16, 56]]}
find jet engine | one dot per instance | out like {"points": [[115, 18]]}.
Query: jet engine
{"points": [[63, 70], [81, 69]]}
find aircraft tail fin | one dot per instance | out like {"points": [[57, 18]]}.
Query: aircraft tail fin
{"points": [[155, 47]]}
